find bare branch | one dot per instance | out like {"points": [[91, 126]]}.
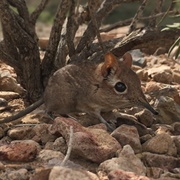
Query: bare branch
{"points": [[71, 29], [75, 19], [95, 49], [68, 153], [128, 21], [8, 51], [24, 24], [102, 12], [137, 16], [91, 5], [21, 44], [22, 18], [35, 14], [157, 9], [21, 8], [8, 59], [10, 25], [8, 46], [47, 64], [146, 40], [170, 8], [62, 52]]}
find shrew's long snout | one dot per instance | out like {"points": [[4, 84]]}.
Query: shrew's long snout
{"points": [[145, 104]]}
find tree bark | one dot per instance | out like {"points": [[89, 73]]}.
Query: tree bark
{"points": [[20, 43], [48, 65]]}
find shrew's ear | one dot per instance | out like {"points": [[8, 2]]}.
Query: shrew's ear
{"points": [[110, 65], [127, 59]]}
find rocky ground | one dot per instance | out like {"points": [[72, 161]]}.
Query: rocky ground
{"points": [[142, 146]]}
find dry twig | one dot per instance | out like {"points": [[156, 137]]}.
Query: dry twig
{"points": [[128, 21], [137, 16], [103, 11], [68, 153], [47, 64], [35, 14]]}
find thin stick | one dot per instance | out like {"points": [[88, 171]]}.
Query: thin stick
{"points": [[128, 21], [170, 8], [90, 32], [36, 13], [93, 18], [137, 16], [157, 9], [66, 158]]}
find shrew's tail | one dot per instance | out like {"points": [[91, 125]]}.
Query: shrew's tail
{"points": [[23, 112]]}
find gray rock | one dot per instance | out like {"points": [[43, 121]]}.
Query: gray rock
{"points": [[2, 166], [138, 58], [145, 117], [20, 174], [19, 151], [132, 121], [154, 172], [126, 161], [142, 74], [162, 129], [176, 128], [176, 77], [89, 143], [20, 133], [42, 133], [176, 140], [160, 144], [169, 110], [42, 174], [1, 132], [158, 68], [9, 95], [145, 138], [63, 173], [124, 175], [128, 135], [10, 84], [58, 145], [38, 133], [170, 175], [163, 77], [162, 161], [46, 155], [161, 73], [3, 102]]}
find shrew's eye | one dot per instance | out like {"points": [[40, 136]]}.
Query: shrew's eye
{"points": [[120, 87]]}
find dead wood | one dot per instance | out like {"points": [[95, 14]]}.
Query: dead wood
{"points": [[20, 46], [147, 40]]}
